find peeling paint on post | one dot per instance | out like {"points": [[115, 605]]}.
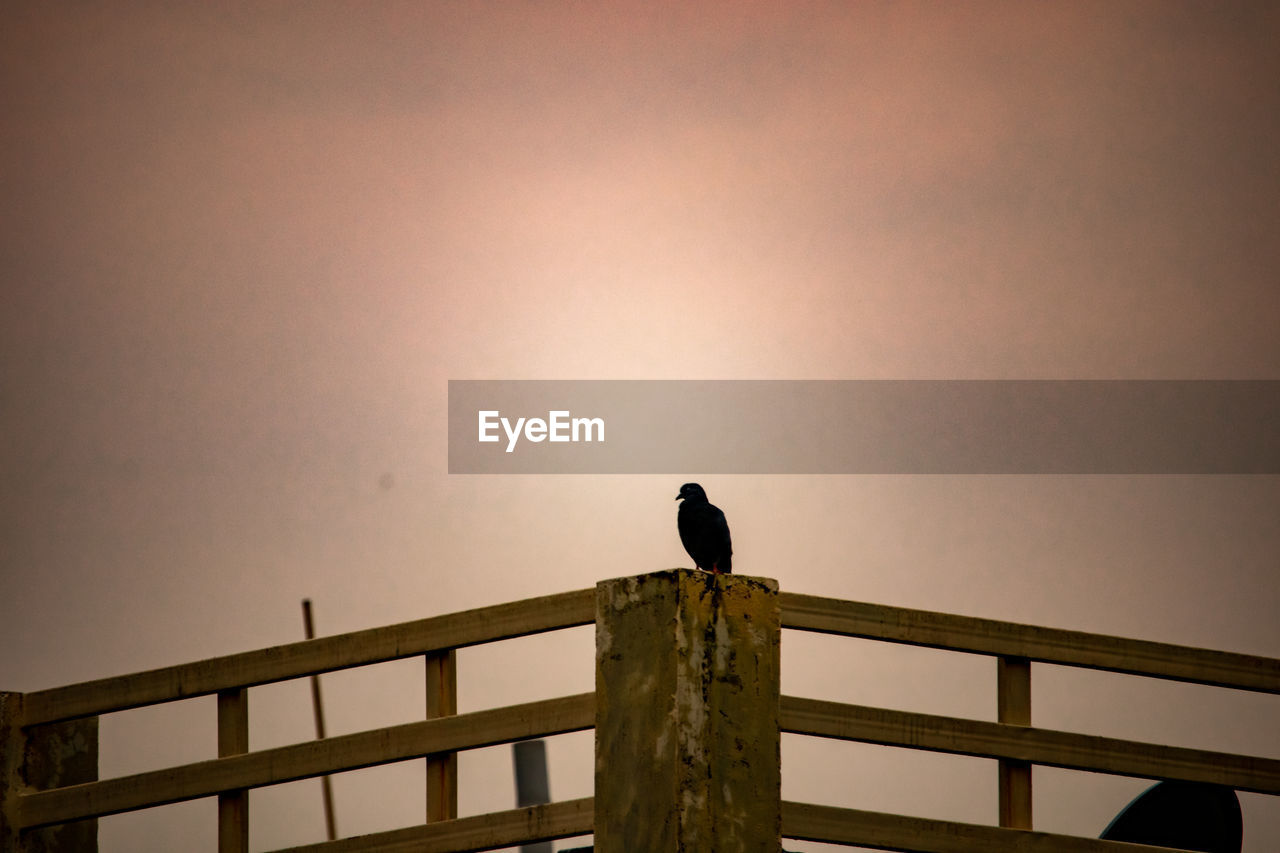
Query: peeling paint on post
{"points": [[687, 747], [41, 757]]}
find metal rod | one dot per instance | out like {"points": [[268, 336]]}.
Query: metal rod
{"points": [[326, 787]]}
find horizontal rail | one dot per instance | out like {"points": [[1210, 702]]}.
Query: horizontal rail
{"points": [[308, 657], [1047, 645], [481, 832], [308, 759], [1023, 743], [806, 822]]}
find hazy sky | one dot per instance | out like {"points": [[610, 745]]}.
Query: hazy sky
{"points": [[245, 245]]}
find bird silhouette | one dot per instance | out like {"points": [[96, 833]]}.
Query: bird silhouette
{"points": [[704, 531]]}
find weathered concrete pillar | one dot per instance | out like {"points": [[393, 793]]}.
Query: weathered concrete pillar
{"points": [[11, 747], [687, 748], [46, 756]]}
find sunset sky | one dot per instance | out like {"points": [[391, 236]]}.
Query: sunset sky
{"points": [[244, 246]]}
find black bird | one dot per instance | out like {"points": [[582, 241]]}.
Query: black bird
{"points": [[704, 531]]}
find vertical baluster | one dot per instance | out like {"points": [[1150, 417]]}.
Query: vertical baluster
{"points": [[1013, 706], [233, 739], [442, 768]]}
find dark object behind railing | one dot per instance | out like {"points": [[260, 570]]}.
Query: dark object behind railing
{"points": [[1188, 815], [533, 785]]}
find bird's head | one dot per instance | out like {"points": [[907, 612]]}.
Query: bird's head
{"points": [[692, 490]]}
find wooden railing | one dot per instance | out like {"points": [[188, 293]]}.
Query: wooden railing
{"points": [[1011, 740], [309, 657], [236, 770]]}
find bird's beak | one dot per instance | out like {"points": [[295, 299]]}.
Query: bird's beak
{"points": [[679, 496]]}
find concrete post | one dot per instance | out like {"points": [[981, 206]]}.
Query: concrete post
{"points": [[11, 748], [687, 747], [45, 756]]}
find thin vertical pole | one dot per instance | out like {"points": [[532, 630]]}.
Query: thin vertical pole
{"points": [[442, 768], [1013, 707], [326, 786], [233, 739]]}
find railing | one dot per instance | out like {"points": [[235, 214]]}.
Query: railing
{"points": [[236, 770], [1011, 740]]}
